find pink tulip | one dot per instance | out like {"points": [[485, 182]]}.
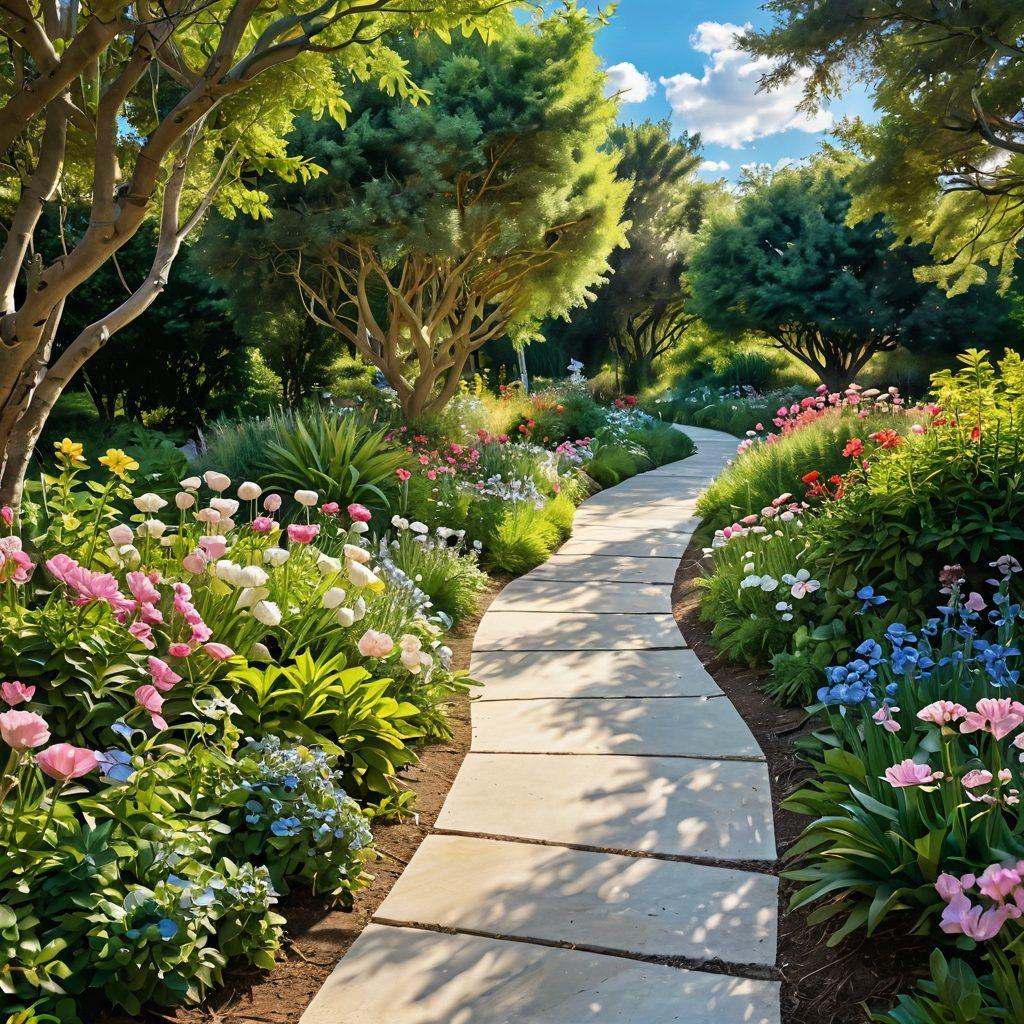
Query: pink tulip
{"points": [[997, 882], [195, 562], [908, 773], [948, 886], [213, 547], [143, 632], [21, 730], [375, 645], [64, 762], [149, 699], [164, 677], [263, 524], [359, 513], [301, 533], [976, 778], [219, 652], [7, 515], [179, 650], [942, 711], [272, 502], [962, 918], [15, 565], [16, 693], [999, 717], [142, 588], [330, 508]]}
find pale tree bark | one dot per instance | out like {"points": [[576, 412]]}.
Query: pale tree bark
{"points": [[54, 57]]}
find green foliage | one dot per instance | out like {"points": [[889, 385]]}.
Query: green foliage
{"points": [[787, 263], [523, 538]]}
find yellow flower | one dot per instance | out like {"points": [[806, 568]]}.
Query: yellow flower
{"points": [[70, 453], [117, 462]]}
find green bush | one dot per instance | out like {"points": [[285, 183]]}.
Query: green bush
{"points": [[522, 539]]}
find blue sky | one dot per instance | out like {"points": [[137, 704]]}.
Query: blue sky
{"points": [[676, 58]]}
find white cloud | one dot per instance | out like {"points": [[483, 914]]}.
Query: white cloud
{"points": [[714, 166], [724, 104], [629, 82]]}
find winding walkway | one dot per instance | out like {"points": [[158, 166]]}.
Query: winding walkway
{"points": [[603, 854]]}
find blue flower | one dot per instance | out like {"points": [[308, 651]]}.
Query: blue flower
{"points": [[167, 928], [286, 826], [871, 650], [116, 765], [869, 599], [122, 729]]}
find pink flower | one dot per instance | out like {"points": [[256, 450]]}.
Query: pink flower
{"points": [[15, 565], [908, 773], [272, 502], [213, 547], [303, 533], [375, 645], [962, 918], [975, 778], [975, 602], [7, 515], [330, 508], [143, 632], [195, 562], [402, 474], [219, 652], [64, 762], [359, 513], [142, 588], [179, 650], [21, 730], [201, 632], [16, 693], [883, 716], [149, 698], [942, 711], [263, 524], [999, 717], [164, 677], [997, 882], [948, 886]]}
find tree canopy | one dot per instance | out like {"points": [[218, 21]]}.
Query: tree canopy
{"points": [[153, 110], [788, 264], [439, 227], [946, 159]]}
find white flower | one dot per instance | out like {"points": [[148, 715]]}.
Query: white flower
{"points": [[275, 556], [328, 566], [228, 571], [251, 596], [184, 500], [149, 502], [168, 541], [208, 515], [344, 617], [126, 555], [749, 567], [225, 506], [787, 517], [307, 498], [259, 652], [418, 527], [354, 553], [152, 528], [267, 612], [361, 576], [748, 582], [252, 576], [190, 483], [120, 534], [332, 598], [769, 583], [360, 527], [399, 522], [359, 609], [801, 584], [216, 481], [248, 491]]}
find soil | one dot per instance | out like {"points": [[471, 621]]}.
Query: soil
{"points": [[819, 985], [316, 936]]}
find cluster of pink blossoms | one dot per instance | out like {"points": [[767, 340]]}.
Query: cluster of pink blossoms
{"points": [[1002, 886]]}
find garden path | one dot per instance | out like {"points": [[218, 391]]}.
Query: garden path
{"points": [[603, 854]]}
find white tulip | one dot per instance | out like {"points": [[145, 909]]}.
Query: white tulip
{"points": [[267, 612], [307, 498], [251, 596], [359, 609], [168, 541], [127, 555], [120, 534], [259, 652], [354, 553], [208, 515], [225, 506], [216, 481], [252, 576], [152, 528], [227, 571], [248, 491], [361, 576], [344, 617], [400, 523], [360, 527], [418, 527], [328, 566], [149, 502], [275, 556], [190, 483], [332, 598], [184, 500]]}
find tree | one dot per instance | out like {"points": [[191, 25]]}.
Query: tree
{"points": [[946, 159], [788, 264], [440, 227], [155, 110], [642, 308]]}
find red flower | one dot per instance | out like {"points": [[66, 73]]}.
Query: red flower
{"points": [[854, 447], [402, 474], [976, 432], [886, 438], [811, 477]]}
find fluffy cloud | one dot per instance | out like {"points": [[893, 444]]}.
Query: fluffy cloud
{"points": [[714, 166], [629, 82], [724, 104]]}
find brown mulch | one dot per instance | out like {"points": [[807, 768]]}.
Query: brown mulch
{"points": [[316, 937], [819, 985]]}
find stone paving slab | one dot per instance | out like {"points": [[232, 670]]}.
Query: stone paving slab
{"points": [[606, 568], [411, 976], [575, 631], [638, 905], [530, 595], [636, 520], [594, 540], [673, 806], [665, 726], [526, 675]]}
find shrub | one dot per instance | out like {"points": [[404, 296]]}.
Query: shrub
{"points": [[523, 538]]}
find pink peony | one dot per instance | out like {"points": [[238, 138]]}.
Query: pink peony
{"points": [[375, 645], [999, 717], [64, 762], [330, 508], [21, 730], [942, 711], [149, 698], [16, 692], [359, 513], [164, 677], [219, 652], [263, 524], [302, 533], [908, 773]]}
